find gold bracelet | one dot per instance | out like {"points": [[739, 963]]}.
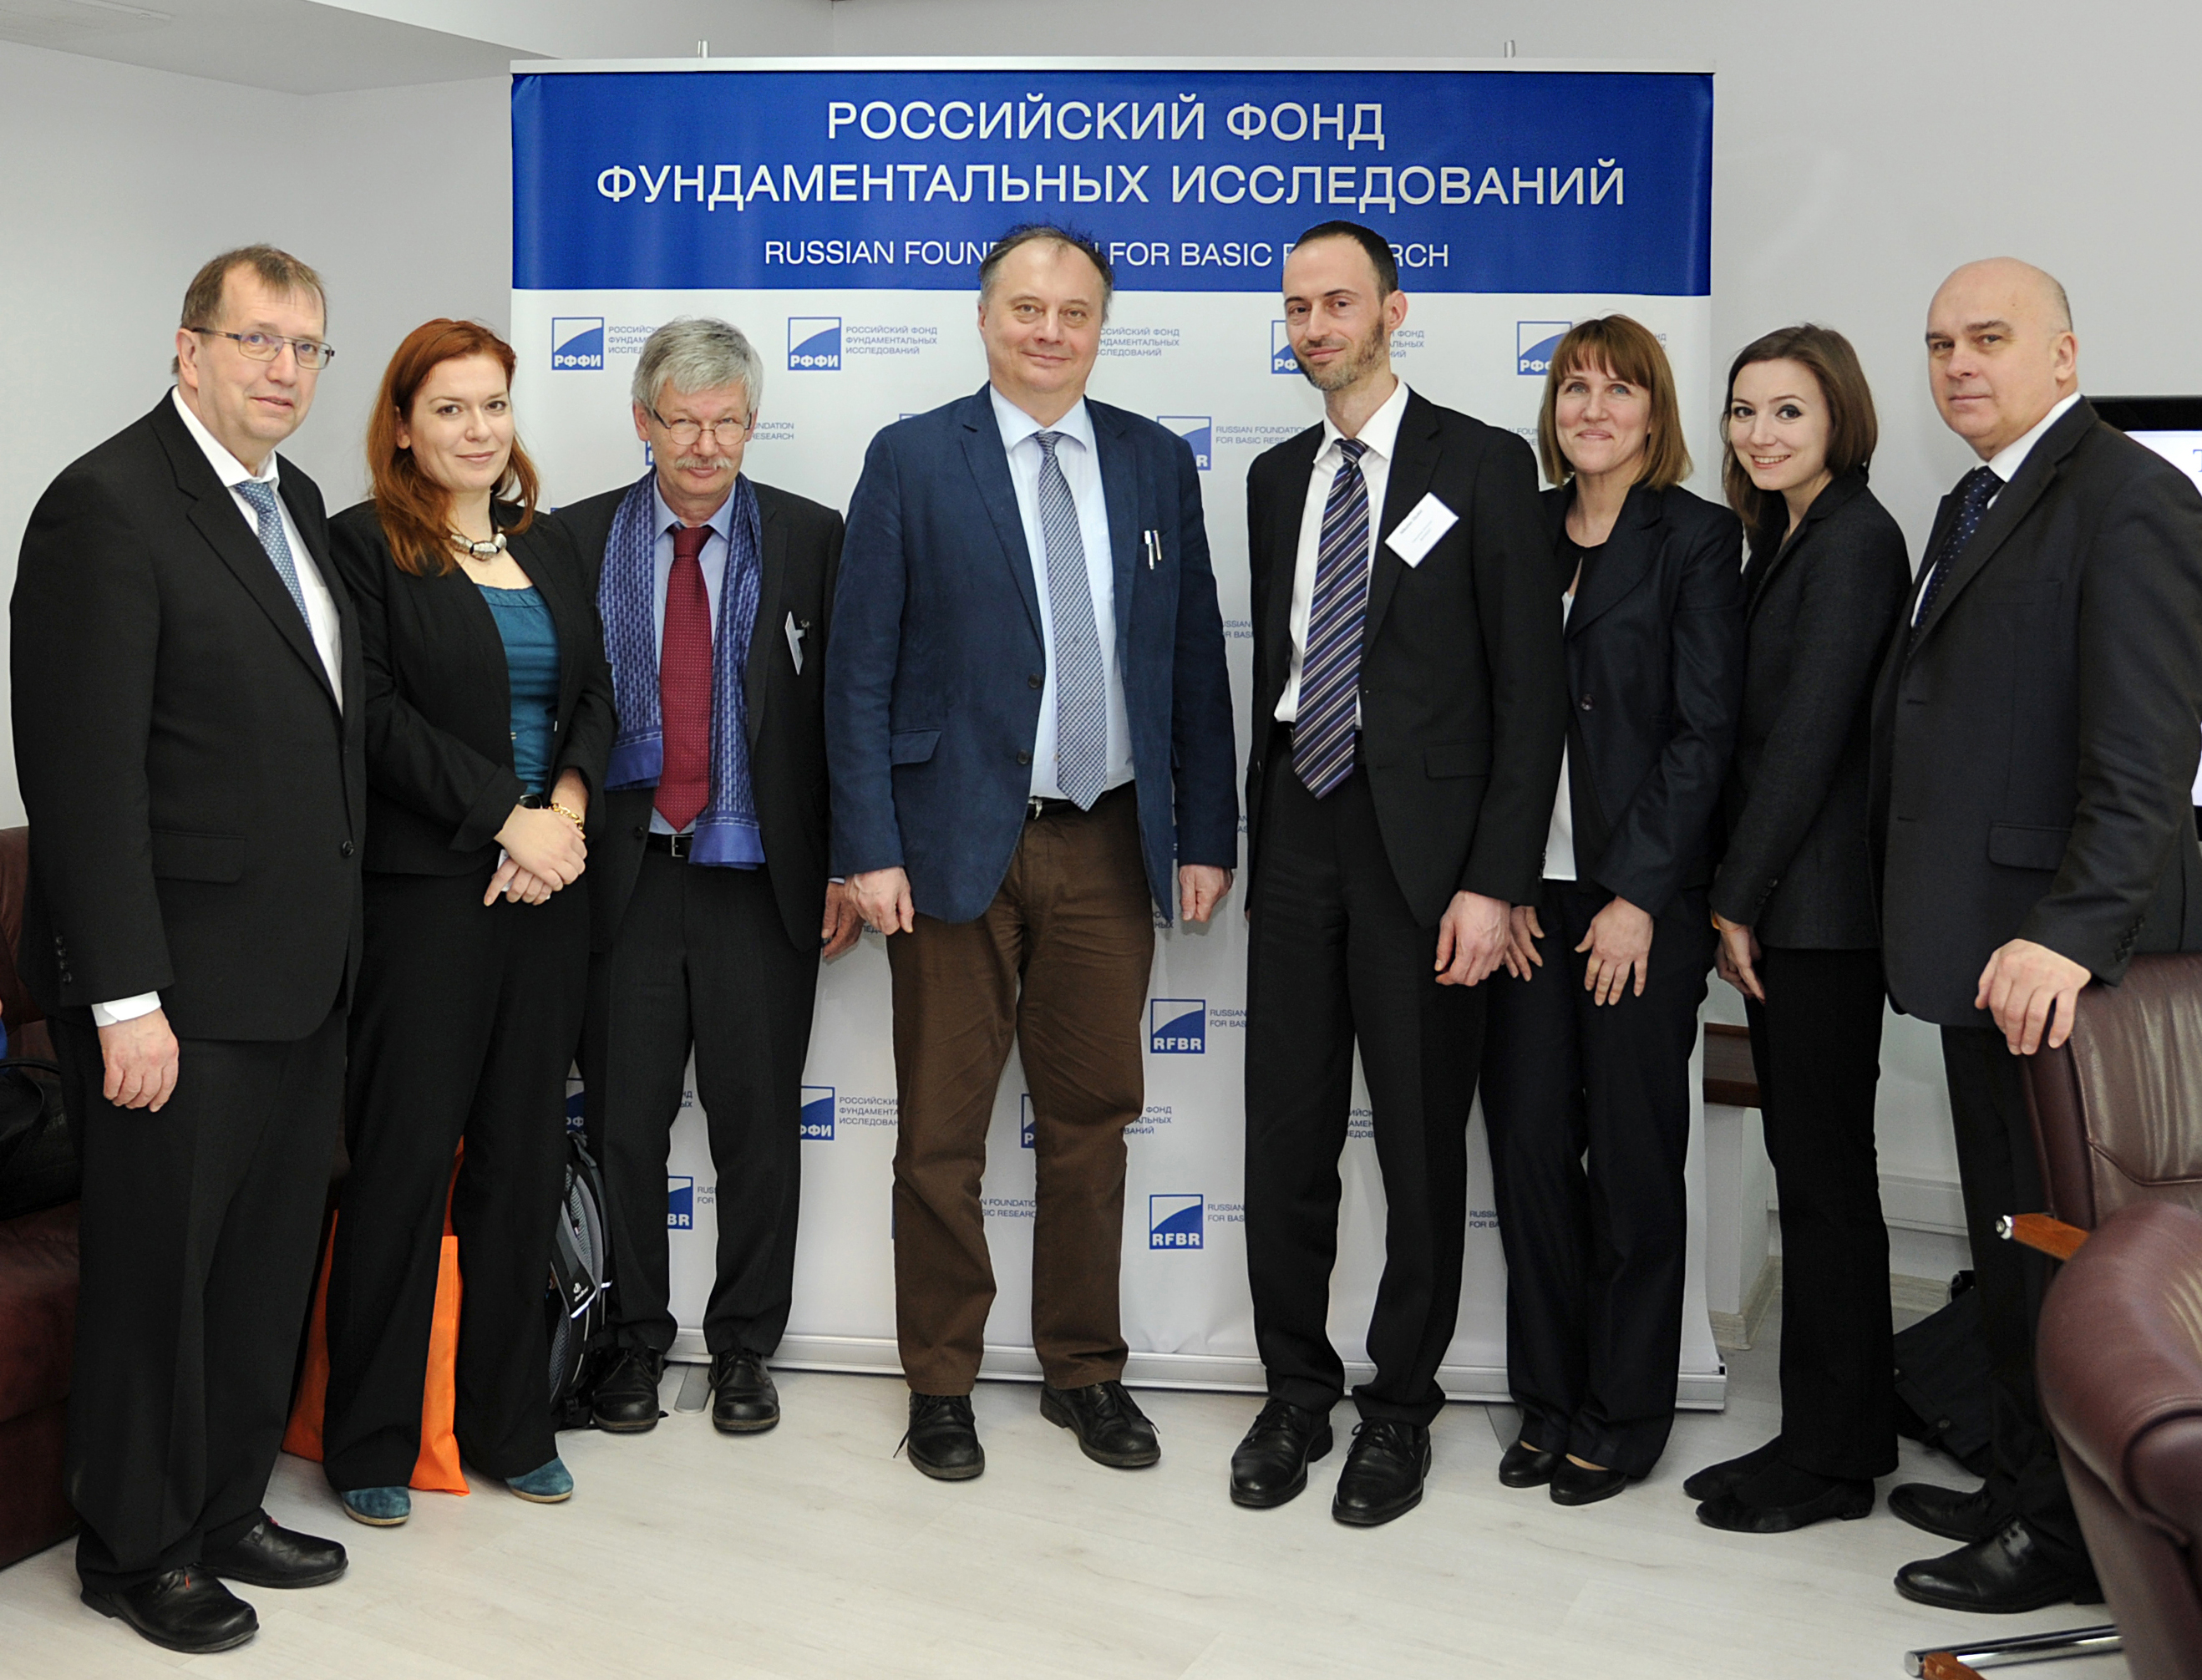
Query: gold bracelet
{"points": [[572, 817]]}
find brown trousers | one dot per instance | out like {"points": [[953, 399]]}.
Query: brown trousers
{"points": [[1060, 960]]}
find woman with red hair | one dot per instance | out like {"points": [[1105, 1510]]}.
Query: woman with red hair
{"points": [[489, 720]]}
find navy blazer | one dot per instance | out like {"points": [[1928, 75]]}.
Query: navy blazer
{"points": [[933, 688], [1655, 678]]}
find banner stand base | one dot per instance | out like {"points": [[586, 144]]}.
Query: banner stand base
{"points": [[877, 1356]]}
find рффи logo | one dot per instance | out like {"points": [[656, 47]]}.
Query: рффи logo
{"points": [[813, 343], [817, 1123], [1176, 1221], [1281, 359], [1534, 342], [577, 342], [680, 1204], [1198, 431], [1177, 1026]]}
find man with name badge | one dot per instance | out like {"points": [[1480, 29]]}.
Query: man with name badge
{"points": [[2033, 745], [189, 742], [1409, 705], [709, 902], [1029, 723]]}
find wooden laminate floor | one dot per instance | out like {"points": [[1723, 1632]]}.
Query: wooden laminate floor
{"points": [[810, 1551]]}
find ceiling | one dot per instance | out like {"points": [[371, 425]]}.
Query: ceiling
{"points": [[319, 46]]}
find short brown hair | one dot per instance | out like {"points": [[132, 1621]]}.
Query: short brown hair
{"points": [[415, 510], [278, 270], [1027, 233], [1626, 349], [1852, 431]]}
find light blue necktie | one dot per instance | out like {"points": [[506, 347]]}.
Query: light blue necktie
{"points": [[1330, 667], [1081, 692], [262, 498]]}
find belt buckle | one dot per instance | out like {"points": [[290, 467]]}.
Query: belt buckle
{"points": [[677, 844], [1034, 807]]}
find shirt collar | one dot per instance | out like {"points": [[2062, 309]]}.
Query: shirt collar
{"points": [[2012, 456], [1381, 431], [226, 467], [722, 521], [1016, 425]]}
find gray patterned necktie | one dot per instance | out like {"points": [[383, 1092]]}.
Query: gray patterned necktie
{"points": [[262, 498], [1081, 694]]}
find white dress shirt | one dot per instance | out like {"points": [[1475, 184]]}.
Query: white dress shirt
{"points": [[1560, 837], [1081, 471], [712, 558], [1381, 434], [2006, 464], [322, 619]]}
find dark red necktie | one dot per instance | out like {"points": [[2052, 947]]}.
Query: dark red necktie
{"points": [[684, 683]]}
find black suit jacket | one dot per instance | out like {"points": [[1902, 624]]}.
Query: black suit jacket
{"points": [[196, 793], [1654, 680], [1820, 610], [1462, 698], [2035, 737], [439, 776], [801, 541]]}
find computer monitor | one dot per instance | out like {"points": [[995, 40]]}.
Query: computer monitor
{"points": [[2172, 426]]}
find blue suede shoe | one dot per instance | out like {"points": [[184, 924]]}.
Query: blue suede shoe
{"points": [[378, 1507], [546, 1484]]}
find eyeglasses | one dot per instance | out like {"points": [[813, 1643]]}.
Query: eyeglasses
{"points": [[688, 433], [312, 354]]}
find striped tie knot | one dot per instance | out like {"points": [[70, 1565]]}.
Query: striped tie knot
{"points": [[1326, 727]]}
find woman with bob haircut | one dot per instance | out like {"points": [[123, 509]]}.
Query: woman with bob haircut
{"points": [[489, 720], [1800, 937], [1586, 1078]]}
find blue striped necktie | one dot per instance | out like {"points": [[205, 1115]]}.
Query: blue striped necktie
{"points": [[262, 495], [1081, 693], [1330, 668]]}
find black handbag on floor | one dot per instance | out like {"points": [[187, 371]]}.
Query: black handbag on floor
{"points": [[41, 1164], [1942, 1388], [577, 1303]]}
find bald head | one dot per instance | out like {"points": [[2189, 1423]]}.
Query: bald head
{"points": [[2000, 351]]}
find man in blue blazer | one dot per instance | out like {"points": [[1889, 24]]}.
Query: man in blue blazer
{"points": [[1028, 729]]}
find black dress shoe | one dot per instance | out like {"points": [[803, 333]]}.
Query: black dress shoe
{"points": [[184, 1610], [943, 1438], [1270, 1463], [1527, 1466], [1385, 1469], [744, 1401], [626, 1401], [271, 1556], [1739, 1514], [1579, 1484], [1111, 1428], [1945, 1510], [2002, 1575], [1727, 1476]]}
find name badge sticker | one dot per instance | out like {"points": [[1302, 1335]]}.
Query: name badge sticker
{"points": [[1415, 535]]}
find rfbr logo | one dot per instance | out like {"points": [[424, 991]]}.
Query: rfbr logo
{"points": [[813, 343], [1198, 430], [817, 1124], [1281, 359], [1025, 1121], [1177, 1026], [680, 1204], [577, 341], [1176, 1221], [1535, 344]]}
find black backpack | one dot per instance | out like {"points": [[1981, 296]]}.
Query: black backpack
{"points": [[41, 1164], [577, 1303]]}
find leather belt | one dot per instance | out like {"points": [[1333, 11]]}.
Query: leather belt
{"points": [[1039, 805], [674, 845]]}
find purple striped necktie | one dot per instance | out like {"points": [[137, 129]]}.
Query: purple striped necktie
{"points": [[1330, 668]]}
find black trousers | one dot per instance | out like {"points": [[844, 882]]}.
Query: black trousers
{"points": [[463, 1029], [1335, 957], [200, 1224], [1587, 1111], [2000, 1174], [702, 961], [1816, 1042]]}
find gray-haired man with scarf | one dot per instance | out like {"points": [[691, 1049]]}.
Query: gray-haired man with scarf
{"points": [[710, 902]]}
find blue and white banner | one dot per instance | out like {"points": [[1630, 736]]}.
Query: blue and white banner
{"points": [[836, 211]]}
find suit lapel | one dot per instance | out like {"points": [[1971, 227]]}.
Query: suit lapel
{"points": [[1621, 563], [2012, 503], [1119, 463], [1279, 558], [1414, 463], [755, 684], [990, 470], [1758, 575]]}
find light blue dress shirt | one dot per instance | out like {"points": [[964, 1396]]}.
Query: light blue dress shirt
{"points": [[713, 560], [1081, 471]]}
